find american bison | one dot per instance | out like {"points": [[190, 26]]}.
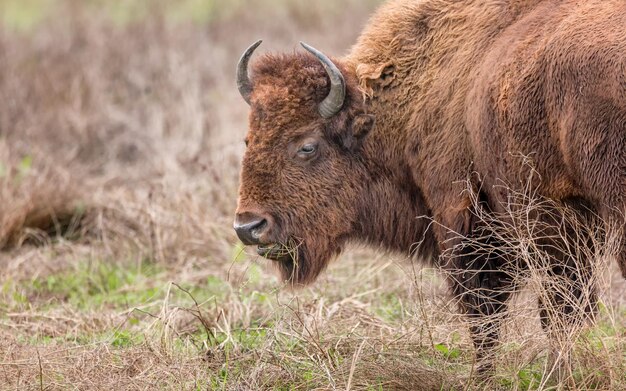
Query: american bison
{"points": [[378, 146]]}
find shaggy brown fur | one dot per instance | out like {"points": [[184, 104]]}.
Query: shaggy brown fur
{"points": [[458, 90]]}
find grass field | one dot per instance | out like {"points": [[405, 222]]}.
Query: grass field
{"points": [[120, 138]]}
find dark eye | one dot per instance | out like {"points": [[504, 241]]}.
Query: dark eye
{"points": [[246, 142], [307, 149]]}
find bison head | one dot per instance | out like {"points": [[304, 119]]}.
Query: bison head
{"points": [[303, 171]]}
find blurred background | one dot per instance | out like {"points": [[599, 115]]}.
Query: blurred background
{"points": [[110, 104], [120, 116], [121, 132]]}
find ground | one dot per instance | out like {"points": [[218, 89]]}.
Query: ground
{"points": [[121, 132]]}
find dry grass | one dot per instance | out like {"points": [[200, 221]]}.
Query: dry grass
{"points": [[563, 258], [120, 140]]}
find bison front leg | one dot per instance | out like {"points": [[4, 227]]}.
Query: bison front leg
{"points": [[564, 304], [480, 276], [568, 296], [483, 289]]}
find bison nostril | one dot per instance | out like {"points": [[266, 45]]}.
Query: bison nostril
{"points": [[250, 228]]}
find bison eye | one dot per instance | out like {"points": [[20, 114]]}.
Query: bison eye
{"points": [[307, 150]]}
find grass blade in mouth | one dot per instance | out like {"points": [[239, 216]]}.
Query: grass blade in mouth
{"points": [[277, 251]]}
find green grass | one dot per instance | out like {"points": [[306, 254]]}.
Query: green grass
{"points": [[91, 286], [24, 15], [149, 301]]}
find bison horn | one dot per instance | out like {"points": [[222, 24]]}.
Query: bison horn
{"points": [[334, 101], [243, 81]]}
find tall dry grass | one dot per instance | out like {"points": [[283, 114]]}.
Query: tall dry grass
{"points": [[560, 261]]}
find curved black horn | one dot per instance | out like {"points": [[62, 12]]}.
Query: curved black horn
{"points": [[243, 81], [334, 101]]}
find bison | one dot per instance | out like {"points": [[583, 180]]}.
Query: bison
{"points": [[378, 146]]}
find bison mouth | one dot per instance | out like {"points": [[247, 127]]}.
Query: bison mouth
{"points": [[298, 262], [276, 252], [291, 260]]}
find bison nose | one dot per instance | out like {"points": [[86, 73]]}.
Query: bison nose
{"points": [[250, 227]]}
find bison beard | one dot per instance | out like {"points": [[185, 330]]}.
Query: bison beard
{"points": [[459, 92], [298, 263]]}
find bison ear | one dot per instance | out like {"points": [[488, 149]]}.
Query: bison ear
{"points": [[361, 125], [352, 135]]}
